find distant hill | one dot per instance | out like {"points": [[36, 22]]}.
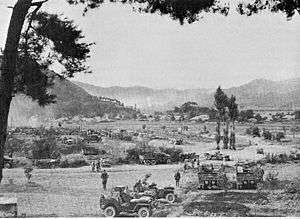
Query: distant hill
{"points": [[71, 100], [259, 93], [147, 98], [263, 93]]}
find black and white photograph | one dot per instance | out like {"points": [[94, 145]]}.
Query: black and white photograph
{"points": [[149, 108]]}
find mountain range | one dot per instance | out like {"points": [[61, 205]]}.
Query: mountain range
{"points": [[77, 98], [257, 94], [71, 100]]}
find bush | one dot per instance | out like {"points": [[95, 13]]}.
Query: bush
{"points": [[158, 153], [175, 153], [248, 131], [74, 148], [293, 187], [267, 135], [254, 131], [277, 158], [294, 155], [73, 160], [260, 151], [121, 160], [279, 136], [45, 148], [272, 180], [21, 162]]}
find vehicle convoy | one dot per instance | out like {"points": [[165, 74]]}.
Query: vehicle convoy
{"points": [[119, 201], [245, 178]]}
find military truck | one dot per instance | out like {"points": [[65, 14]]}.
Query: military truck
{"points": [[8, 162], [245, 178], [248, 178], [210, 180]]}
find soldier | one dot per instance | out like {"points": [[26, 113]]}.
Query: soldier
{"points": [[144, 181], [177, 178], [93, 166], [185, 166], [232, 140], [138, 187], [104, 177], [98, 166]]}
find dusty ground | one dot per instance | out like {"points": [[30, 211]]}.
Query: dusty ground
{"points": [[75, 192]]}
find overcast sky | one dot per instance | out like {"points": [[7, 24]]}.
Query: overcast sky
{"points": [[154, 51]]}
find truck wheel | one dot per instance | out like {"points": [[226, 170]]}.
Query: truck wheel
{"points": [[144, 212], [170, 197], [110, 211]]}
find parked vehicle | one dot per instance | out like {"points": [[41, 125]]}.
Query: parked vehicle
{"points": [[249, 178], [211, 180], [8, 162], [121, 202], [245, 178], [167, 193]]}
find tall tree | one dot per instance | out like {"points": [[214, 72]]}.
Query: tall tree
{"points": [[233, 115], [34, 41], [182, 10], [220, 103], [233, 109]]}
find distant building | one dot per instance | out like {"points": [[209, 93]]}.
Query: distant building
{"points": [[288, 117], [297, 114], [200, 118]]}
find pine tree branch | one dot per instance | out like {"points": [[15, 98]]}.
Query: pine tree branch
{"points": [[33, 14]]}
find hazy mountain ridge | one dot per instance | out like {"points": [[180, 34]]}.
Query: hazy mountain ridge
{"points": [[71, 100], [259, 93]]}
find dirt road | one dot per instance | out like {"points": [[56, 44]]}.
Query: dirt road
{"points": [[76, 191]]}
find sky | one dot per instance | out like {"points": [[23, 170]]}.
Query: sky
{"points": [[134, 49]]}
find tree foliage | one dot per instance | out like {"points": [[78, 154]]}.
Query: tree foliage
{"points": [[190, 10], [48, 39], [221, 102], [233, 108]]}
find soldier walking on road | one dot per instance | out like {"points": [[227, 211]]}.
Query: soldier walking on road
{"points": [[177, 178], [104, 177]]}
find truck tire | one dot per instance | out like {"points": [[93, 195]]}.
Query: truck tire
{"points": [[170, 197], [144, 212], [110, 211]]}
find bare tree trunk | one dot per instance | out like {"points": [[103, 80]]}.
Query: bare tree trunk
{"points": [[8, 67], [218, 133], [226, 132], [232, 136]]}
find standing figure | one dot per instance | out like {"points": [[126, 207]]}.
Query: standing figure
{"points": [[185, 166], [93, 166], [144, 181], [232, 140], [98, 167], [177, 178], [138, 187], [104, 177], [27, 172]]}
